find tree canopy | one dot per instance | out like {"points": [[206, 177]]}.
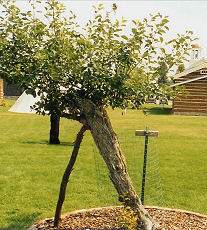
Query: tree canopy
{"points": [[62, 62]]}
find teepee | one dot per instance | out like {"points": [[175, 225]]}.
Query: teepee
{"points": [[24, 103]]}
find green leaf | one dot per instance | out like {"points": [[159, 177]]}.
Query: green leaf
{"points": [[124, 37], [145, 54], [162, 49], [134, 31], [123, 20]]}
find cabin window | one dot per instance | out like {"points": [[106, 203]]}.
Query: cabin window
{"points": [[203, 71]]}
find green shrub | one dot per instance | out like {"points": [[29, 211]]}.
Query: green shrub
{"points": [[4, 103]]}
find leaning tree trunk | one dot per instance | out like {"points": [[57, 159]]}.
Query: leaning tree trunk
{"points": [[54, 129], [66, 175], [108, 145]]}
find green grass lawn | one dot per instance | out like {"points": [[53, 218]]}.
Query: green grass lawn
{"points": [[31, 170]]}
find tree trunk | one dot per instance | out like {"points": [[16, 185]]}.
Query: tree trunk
{"points": [[108, 145], [54, 129], [66, 175]]}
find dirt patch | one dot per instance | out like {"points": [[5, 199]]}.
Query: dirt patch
{"points": [[110, 217]]}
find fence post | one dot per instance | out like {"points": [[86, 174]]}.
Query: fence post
{"points": [[145, 133], [144, 164]]}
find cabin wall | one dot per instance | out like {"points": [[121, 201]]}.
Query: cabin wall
{"points": [[1, 89], [195, 100]]}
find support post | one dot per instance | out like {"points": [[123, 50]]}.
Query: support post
{"points": [[66, 175]]}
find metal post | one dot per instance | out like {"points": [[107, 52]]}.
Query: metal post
{"points": [[144, 163]]}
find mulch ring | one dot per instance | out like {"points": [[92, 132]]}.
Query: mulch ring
{"points": [[109, 218]]}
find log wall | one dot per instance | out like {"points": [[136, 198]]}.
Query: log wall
{"points": [[1, 88], [195, 102]]}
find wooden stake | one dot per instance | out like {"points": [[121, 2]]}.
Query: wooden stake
{"points": [[143, 133]]}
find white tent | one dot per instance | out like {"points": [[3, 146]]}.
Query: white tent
{"points": [[24, 103]]}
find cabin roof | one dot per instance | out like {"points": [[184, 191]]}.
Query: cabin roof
{"points": [[194, 67], [201, 64]]}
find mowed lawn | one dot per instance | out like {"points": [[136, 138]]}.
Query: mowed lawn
{"points": [[31, 170]]}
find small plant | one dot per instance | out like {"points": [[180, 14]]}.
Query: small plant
{"points": [[4, 103], [129, 217]]}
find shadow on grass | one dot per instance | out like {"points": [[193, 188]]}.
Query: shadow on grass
{"points": [[47, 143], [23, 221], [63, 144], [157, 111]]}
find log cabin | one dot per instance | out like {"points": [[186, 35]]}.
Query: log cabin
{"points": [[194, 80], [1, 89]]}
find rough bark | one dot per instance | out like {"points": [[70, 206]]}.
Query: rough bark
{"points": [[66, 175], [54, 129], [109, 147]]}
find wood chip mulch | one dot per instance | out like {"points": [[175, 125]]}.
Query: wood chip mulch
{"points": [[109, 218]]}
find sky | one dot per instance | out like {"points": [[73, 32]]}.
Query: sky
{"points": [[183, 15]]}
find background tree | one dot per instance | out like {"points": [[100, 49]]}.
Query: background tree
{"points": [[169, 62], [22, 36], [82, 72]]}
